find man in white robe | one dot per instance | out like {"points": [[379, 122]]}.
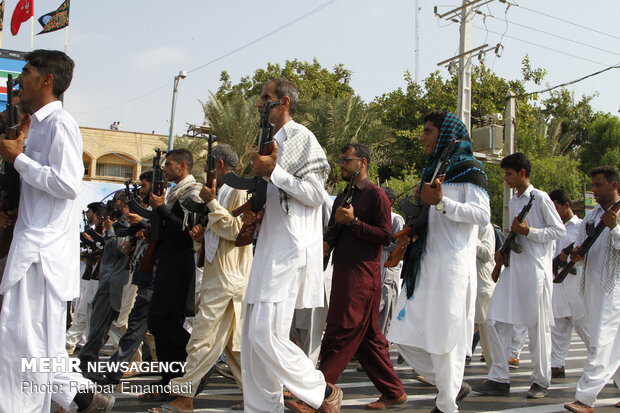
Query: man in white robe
{"points": [[485, 250], [523, 292], [287, 268], [42, 271], [568, 308], [433, 324], [601, 291]]}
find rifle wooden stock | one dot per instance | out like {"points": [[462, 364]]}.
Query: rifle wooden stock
{"points": [[243, 208], [398, 252]]}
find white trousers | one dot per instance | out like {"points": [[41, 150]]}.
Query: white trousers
{"points": [[32, 326], [443, 370], [602, 364], [518, 341], [500, 339], [269, 360], [307, 330], [81, 317], [560, 338]]}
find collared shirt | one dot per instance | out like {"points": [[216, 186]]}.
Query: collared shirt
{"points": [[289, 248], [526, 284], [47, 227]]}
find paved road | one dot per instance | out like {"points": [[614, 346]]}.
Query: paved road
{"points": [[358, 390]]}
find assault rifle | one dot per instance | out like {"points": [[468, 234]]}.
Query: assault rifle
{"points": [[417, 213], [558, 264], [157, 187], [9, 177], [256, 185], [510, 243], [200, 208], [134, 201], [333, 231], [585, 247]]}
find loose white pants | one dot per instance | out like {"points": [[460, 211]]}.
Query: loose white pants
{"points": [[560, 338], [500, 340], [518, 341], [602, 364], [443, 370], [269, 360], [32, 326]]}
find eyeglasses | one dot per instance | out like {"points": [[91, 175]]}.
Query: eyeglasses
{"points": [[347, 160]]}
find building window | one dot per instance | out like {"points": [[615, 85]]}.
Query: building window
{"points": [[121, 171], [86, 168]]}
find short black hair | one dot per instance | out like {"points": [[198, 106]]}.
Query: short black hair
{"points": [[56, 63], [284, 87], [390, 192], [146, 176], [95, 206], [516, 162], [227, 154], [561, 196], [436, 117], [609, 172], [359, 149], [182, 155]]}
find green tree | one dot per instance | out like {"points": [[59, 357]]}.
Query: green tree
{"points": [[603, 143]]}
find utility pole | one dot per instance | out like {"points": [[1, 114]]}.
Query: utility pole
{"points": [[509, 148], [463, 106], [417, 42]]}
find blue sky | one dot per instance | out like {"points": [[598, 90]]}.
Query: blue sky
{"points": [[128, 52]]}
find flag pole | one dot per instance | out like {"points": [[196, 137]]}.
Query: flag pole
{"points": [[66, 37], [32, 33]]}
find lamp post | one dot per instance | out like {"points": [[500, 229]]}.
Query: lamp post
{"points": [[182, 75]]}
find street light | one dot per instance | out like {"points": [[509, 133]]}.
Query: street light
{"points": [[182, 75]]}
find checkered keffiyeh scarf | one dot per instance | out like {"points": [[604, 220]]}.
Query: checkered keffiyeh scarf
{"points": [[451, 128], [611, 265], [301, 155]]}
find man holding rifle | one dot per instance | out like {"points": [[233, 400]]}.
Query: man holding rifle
{"points": [[523, 293], [601, 290], [42, 271], [287, 272], [433, 323]]}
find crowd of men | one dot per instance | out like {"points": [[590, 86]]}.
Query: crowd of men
{"points": [[161, 281]]}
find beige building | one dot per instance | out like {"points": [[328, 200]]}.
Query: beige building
{"points": [[115, 156]]}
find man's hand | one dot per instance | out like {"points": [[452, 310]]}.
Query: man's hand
{"points": [[141, 235], [197, 233], [521, 228], [207, 193], [134, 219], [7, 218], [264, 165], [499, 258], [10, 149], [563, 256], [344, 215], [610, 218], [156, 201], [326, 249], [432, 194], [127, 248], [575, 255], [107, 223]]}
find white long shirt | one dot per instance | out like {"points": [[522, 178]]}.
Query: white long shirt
{"points": [[602, 312], [441, 311], [567, 302], [526, 283], [289, 250], [485, 251], [47, 228]]}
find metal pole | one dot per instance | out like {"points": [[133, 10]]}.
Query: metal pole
{"points": [[509, 149], [463, 107], [417, 42], [182, 75]]}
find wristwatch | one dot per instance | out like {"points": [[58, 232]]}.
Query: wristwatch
{"points": [[355, 221], [441, 205]]}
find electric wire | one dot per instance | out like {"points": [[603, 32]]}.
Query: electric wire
{"points": [[617, 66]]}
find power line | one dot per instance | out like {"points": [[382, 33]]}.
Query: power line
{"points": [[562, 20], [555, 35], [573, 81], [258, 39], [546, 47]]}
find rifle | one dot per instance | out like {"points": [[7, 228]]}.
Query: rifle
{"points": [[558, 264], [157, 187], [510, 242], [200, 208], [585, 247], [257, 186], [9, 177], [417, 213], [333, 231], [133, 202]]}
